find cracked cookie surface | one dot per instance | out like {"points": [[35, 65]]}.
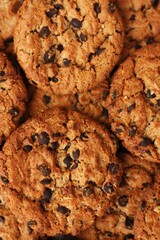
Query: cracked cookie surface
{"points": [[64, 49], [92, 103], [66, 165], [13, 97], [134, 103], [141, 23], [147, 220], [118, 222], [8, 17]]}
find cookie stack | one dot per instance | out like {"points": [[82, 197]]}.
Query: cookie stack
{"points": [[80, 120]]}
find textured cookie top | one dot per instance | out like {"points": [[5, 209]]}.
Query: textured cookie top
{"points": [[63, 48], [13, 97], [147, 221], [141, 23], [8, 17], [118, 222], [134, 103], [66, 164], [92, 103]]}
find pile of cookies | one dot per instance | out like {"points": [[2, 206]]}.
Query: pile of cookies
{"points": [[80, 120]]}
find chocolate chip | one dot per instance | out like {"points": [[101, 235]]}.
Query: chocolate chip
{"points": [[99, 51], [105, 113], [53, 79], [154, 3], [47, 58], [56, 134], [145, 142], [129, 236], [60, 47], [149, 95], [47, 195], [105, 94], [129, 222], [27, 148], [108, 187], [2, 73], [111, 7], [123, 200], [16, 6], [32, 223], [68, 161], [3, 80], [46, 181], [113, 168], [67, 146], [90, 57], [74, 166], [43, 138], [158, 102], [131, 107], [97, 8], [87, 191], [76, 23], [66, 62], [2, 219], [45, 170], [133, 17], [118, 130], [42, 204], [46, 99], [4, 180], [83, 136], [34, 137], [76, 154], [143, 206], [132, 132], [148, 152], [150, 40], [83, 37], [53, 146], [114, 95], [51, 12], [58, 6], [63, 210], [14, 112], [44, 32]]}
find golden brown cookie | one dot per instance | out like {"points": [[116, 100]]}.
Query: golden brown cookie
{"points": [[92, 103], [13, 97], [141, 23], [64, 49], [134, 103], [64, 163]]}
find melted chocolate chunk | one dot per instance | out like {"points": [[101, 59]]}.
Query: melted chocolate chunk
{"points": [[46, 181], [76, 23], [2, 219], [123, 200], [87, 191], [83, 136], [132, 132], [90, 57], [145, 142], [129, 222], [118, 130], [105, 113], [97, 8], [60, 47], [133, 17], [53, 146], [83, 37], [53, 79], [113, 168], [143, 205], [149, 95], [27, 148], [99, 51], [154, 3], [47, 195], [63, 210], [14, 112], [74, 166], [34, 137], [68, 161], [16, 6], [129, 236], [2, 73], [4, 180], [150, 40], [32, 223], [58, 6], [108, 187], [158, 102], [66, 62], [44, 32], [131, 107], [43, 138], [51, 12], [46, 99], [76, 154], [47, 58], [45, 170]]}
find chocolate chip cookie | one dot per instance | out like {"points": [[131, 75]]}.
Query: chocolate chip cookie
{"points": [[64, 49], [13, 97], [66, 165], [118, 222], [141, 23], [8, 17], [147, 220], [92, 103], [134, 103]]}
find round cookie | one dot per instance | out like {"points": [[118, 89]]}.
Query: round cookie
{"points": [[64, 49], [8, 17], [118, 222], [147, 221], [13, 97], [141, 23], [66, 165], [134, 102], [92, 103]]}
